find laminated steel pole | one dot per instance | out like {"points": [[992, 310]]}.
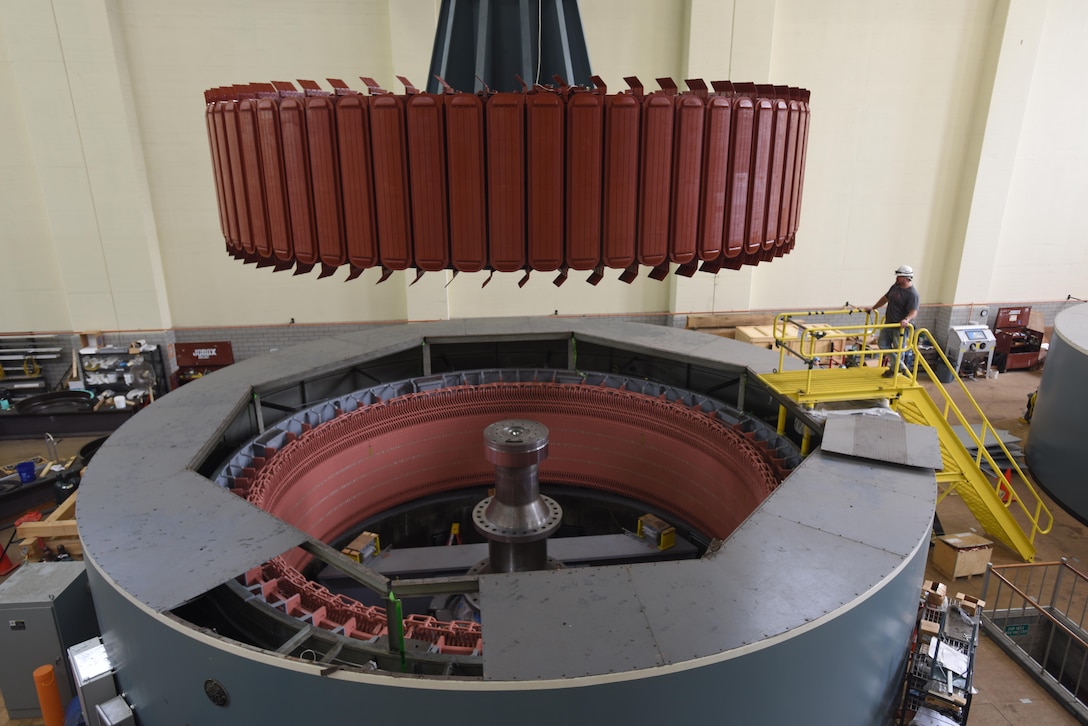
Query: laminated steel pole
{"points": [[518, 519]]}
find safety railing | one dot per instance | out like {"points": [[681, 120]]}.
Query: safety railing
{"points": [[801, 337], [1037, 612], [984, 435], [808, 340]]}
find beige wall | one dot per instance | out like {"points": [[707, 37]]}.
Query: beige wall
{"points": [[1042, 246], [892, 98], [946, 135], [31, 292]]}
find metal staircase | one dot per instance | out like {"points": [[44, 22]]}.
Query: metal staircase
{"points": [[841, 365]]}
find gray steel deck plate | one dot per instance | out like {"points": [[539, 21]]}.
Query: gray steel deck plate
{"points": [[829, 533], [883, 438], [564, 624], [1002, 434], [188, 538]]}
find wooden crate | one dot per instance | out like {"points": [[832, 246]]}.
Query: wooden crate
{"points": [[763, 335], [962, 555], [725, 325], [717, 321], [814, 346]]}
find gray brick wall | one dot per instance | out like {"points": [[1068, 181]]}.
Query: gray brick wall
{"points": [[252, 341], [249, 342]]}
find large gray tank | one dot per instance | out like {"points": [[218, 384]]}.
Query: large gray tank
{"points": [[1055, 447]]}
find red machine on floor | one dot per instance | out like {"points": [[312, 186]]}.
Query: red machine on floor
{"points": [[199, 359], [1018, 346]]}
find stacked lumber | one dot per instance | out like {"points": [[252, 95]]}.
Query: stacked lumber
{"points": [[726, 324], [42, 540]]}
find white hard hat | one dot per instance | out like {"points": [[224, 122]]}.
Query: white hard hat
{"points": [[904, 271]]}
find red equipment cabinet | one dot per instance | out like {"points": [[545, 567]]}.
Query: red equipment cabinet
{"points": [[198, 359], [1018, 346]]}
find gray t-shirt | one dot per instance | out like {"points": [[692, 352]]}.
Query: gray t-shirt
{"points": [[901, 302]]}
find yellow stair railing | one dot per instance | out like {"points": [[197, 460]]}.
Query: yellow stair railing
{"points": [[1009, 508]]}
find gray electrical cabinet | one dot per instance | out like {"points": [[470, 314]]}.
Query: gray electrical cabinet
{"points": [[45, 608]]}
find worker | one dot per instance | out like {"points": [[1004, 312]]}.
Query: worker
{"points": [[902, 301]]}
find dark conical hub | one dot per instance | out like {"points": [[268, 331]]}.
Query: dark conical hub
{"points": [[518, 519]]}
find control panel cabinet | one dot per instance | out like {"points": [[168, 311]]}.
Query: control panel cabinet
{"points": [[45, 608], [971, 349]]}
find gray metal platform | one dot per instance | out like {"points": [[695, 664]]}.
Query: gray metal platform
{"points": [[814, 595]]}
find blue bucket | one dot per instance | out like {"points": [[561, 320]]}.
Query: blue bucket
{"points": [[26, 471]]}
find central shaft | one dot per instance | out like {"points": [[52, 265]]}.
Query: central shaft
{"points": [[518, 519]]}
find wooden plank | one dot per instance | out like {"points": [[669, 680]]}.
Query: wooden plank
{"points": [[64, 509], [728, 320], [720, 332], [59, 528]]}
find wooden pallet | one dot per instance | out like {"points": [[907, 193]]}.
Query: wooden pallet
{"points": [[59, 528]]}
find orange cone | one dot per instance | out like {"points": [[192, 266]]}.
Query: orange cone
{"points": [[1004, 488], [6, 565]]}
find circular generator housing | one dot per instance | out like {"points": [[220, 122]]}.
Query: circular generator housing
{"points": [[810, 589], [1056, 443]]}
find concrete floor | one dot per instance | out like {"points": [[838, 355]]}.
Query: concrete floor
{"points": [[1007, 695]]}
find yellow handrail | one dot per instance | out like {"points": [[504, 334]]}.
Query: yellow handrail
{"points": [[801, 343], [806, 334], [986, 428]]}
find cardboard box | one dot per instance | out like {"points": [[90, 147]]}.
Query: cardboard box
{"points": [[657, 530], [962, 555], [363, 547], [934, 593], [970, 604], [937, 697]]}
